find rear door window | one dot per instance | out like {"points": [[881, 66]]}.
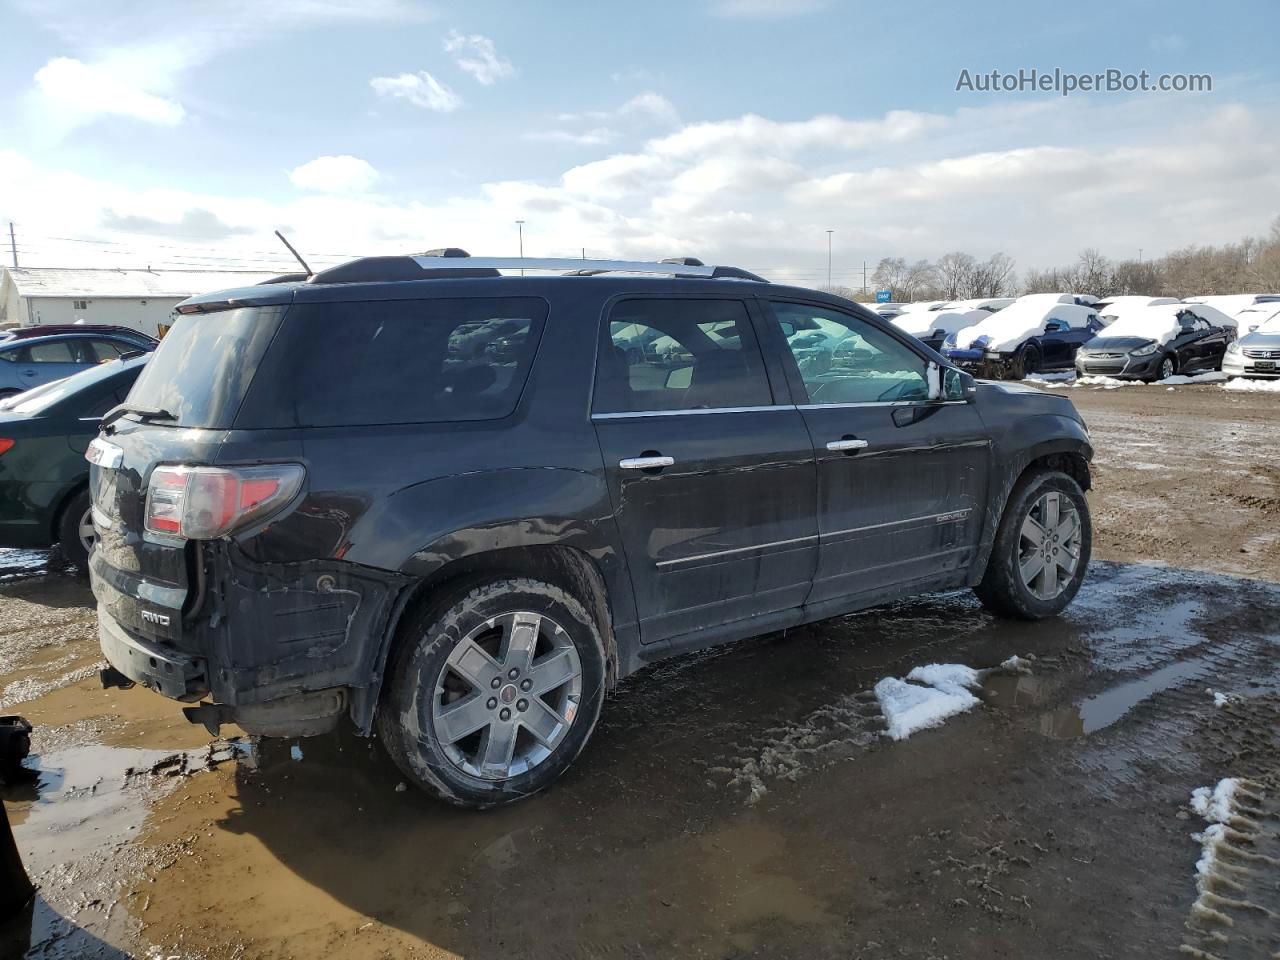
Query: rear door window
{"points": [[666, 355], [55, 351], [397, 361]]}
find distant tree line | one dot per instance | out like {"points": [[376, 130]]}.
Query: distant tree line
{"points": [[1251, 265]]}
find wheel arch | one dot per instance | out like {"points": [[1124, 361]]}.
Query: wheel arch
{"points": [[570, 568], [63, 502]]}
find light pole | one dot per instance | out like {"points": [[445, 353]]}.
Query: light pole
{"points": [[520, 227], [829, 232]]}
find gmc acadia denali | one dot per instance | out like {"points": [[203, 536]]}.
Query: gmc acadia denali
{"points": [[458, 504]]}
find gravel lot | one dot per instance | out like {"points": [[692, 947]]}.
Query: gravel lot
{"points": [[740, 802]]}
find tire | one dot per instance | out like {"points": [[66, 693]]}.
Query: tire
{"points": [[426, 691], [1003, 589], [1168, 367], [1027, 363], [71, 526]]}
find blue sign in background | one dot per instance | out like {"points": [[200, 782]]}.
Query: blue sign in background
{"points": [[884, 296]]}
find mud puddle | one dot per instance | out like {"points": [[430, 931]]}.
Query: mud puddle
{"points": [[1104, 709]]}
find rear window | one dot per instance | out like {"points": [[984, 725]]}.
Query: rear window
{"points": [[396, 361], [201, 370]]}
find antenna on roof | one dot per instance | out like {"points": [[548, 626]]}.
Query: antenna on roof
{"points": [[297, 256]]}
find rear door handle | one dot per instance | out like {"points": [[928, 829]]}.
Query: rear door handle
{"points": [[646, 463], [847, 444]]}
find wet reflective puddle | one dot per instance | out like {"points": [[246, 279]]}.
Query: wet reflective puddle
{"points": [[1104, 709]]}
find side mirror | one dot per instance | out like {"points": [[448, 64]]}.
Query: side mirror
{"points": [[957, 385]]}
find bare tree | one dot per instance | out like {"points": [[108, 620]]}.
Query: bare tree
{"points": [[955, 275]]}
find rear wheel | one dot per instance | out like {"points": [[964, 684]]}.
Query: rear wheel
{"points": [[75, 531], [1042, 548], [494, 691]]}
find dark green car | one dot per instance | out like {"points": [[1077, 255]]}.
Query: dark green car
{"points": [[44, 476]]}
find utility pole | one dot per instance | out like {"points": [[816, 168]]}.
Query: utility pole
{"points": [[1139, 256], [829, 232], [13, 244], [864, 278], [520, 227]]}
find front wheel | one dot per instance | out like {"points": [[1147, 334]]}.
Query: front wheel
{"points": [[1168, 367], [1042, 548], [493, 692]]}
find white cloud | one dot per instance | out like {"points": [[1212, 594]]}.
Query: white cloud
{"points": [[340, 174], [650, 104], [88, 90], [587, 138], [764, 9], [421, 89], [475, 54]]}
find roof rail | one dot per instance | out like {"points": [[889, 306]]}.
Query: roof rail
{"points": [[676, 267]]}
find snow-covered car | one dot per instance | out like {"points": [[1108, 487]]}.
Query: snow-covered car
{"points": [[1114, 308], [1031, 335], [1255, 354], [932, 327], [1252, 317], [1233, 303], [1155, 342]]}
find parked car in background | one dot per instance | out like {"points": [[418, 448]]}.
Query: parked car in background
{"points": [[1233, 303], [1114, 308], [1155, 342], [1252, 317], [44, 479], [48, 329], [1255, 354], [932, 327], [1032, 335], [27, 362], [311, 509], [989, 304]]}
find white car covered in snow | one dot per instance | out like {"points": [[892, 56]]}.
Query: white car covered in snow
{"points": [[1036, 333], [932, 327], [1114, 308]]}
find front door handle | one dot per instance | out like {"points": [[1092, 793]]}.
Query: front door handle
{"points": [[847, 444], [646, 463]]}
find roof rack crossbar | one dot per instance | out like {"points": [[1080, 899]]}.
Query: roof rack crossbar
{"points": [[583, 267]]}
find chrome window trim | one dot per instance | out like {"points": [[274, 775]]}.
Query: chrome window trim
{"points": [[880, 403]]}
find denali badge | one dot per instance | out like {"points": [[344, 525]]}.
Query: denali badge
{"points": [[159, 619]]}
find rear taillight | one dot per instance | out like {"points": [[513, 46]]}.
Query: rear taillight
{"points": [[203, 503], [5, 445]]}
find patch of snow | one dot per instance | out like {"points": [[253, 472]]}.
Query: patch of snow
{"points": [[1014, 324], [924, 322], [1243, 385], [909, 708], [1220, 699], [1214, 804], [1061, 376], [1109, 382], [295, 751]]}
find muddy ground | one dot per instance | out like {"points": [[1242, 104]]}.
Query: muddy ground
{"points": [[741, 802]]}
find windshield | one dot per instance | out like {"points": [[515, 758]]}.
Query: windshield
{"points": [[204, 365], [1270, 326], [40, 400]]}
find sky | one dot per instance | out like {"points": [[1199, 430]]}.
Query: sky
{"points": [[178, 133]]}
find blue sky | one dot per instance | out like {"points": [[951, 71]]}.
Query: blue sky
{"points": [[735, 130]]}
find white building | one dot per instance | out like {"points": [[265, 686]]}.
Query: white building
{"points": [[141, 299]]}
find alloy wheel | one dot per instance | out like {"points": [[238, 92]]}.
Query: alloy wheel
{"points": [[1049, 545], [84, 529], [507, 696], [1166, 368]]}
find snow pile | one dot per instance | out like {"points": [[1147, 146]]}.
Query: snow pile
{"points": [[1215, 804], [933, 693], [1220, 699], [1242, 385], [1159, 323], [1110, 383]]}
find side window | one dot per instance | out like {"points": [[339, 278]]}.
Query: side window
{"points": [[403, 361], [844, 359], [57, 351], [679, 355], [9, 356], [1054, 325], [105, 350]]}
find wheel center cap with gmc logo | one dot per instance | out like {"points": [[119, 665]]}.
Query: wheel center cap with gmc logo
{"points": [[508, 693]]}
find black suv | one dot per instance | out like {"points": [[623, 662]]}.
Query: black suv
{"points": [[459, 504]]}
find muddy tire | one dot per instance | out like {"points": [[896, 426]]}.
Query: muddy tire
{"points": [[493, 691], [1025, 363], [1039, 558], [72, 531]]}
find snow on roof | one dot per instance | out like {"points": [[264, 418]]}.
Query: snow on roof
{"points": [[1025, 318], [1116, 306], [1159, 322], [921, 322], [1232, 303], [92, 283]]}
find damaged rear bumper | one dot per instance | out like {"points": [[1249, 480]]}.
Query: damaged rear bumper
{"points": [[279, 649]]}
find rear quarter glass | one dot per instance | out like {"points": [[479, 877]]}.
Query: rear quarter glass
{"points": [[396, 361], [203, 367]]}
